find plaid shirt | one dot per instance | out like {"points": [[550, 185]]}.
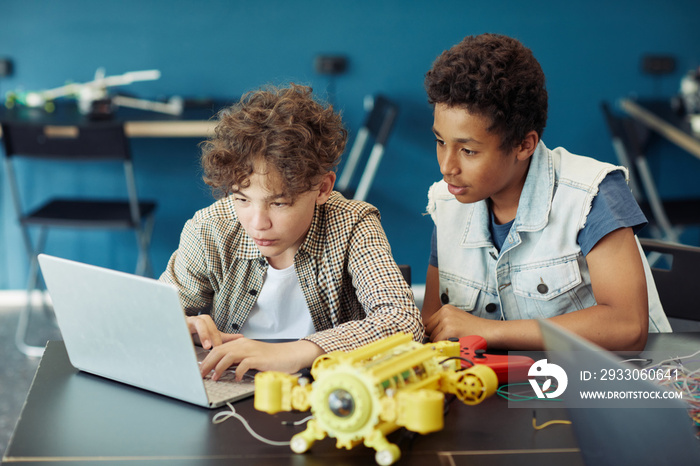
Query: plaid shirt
{"points": [[353, 288]]}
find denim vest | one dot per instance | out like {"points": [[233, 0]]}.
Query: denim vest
{"points": [[540, 271]]}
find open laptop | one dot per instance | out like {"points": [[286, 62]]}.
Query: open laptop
{"points": [[132, 329], [658, 435]]}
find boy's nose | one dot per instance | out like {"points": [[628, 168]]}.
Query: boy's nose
{"points": [[448, 165], [261, 221]]}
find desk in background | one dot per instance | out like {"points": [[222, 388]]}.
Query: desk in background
{"points": [[659, 116], [79, 417], [196, 121]]}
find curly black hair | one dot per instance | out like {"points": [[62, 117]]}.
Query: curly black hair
{"points": [[283, 127], [494, 76]]}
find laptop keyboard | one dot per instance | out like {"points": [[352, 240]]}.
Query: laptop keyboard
{"points": [[227, 388]]}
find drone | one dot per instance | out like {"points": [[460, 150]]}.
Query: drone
{"points": [[93, 96], [360, 396]]}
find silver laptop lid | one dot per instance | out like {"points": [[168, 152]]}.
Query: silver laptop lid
{"points": [[124, 327], [610, 434]]}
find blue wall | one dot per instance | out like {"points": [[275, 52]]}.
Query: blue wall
{"points": [[223, 48]]}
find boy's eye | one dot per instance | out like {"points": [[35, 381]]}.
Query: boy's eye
{"points": [[279, 204], [468, 151], [440, 142]]}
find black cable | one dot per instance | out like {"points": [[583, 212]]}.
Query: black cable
{"points": [[460, 358]]}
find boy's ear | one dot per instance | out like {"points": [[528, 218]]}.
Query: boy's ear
{"points": [[528, 145], [325, 188]]}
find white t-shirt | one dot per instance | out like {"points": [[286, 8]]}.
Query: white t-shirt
{"points": [[280, 310]]}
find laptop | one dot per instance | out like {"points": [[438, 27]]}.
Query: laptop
{"points": [[132, 329], [640, 434]]}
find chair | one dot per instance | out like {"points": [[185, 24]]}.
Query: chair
{"points": [[418, 290], [666, 217], [658, 66], [378, 125], [103, 141], [406, 273], [676, 284]]}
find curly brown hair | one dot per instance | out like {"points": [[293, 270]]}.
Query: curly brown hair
{"points": [[493, 76], [283, 127]]}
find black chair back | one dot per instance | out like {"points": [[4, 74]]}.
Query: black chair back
{"points": [[676, 283], [377, 126], [380, 121]]}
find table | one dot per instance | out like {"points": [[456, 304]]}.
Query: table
{"points": [[660, 117], [70, 416], [196, 121], [74, 416]]}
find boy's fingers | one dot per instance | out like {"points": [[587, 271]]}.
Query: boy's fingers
{"points": [[215, 335], [432, 322], [203, 331], [242, 368], [226, 337], [224, 363], [211, 363]]}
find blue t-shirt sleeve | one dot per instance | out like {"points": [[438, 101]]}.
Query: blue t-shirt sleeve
{"points": [[433, 249], [614, 207]]}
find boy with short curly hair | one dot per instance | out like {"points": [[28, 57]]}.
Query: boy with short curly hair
{"points": [[523, 232], [281, 255]]}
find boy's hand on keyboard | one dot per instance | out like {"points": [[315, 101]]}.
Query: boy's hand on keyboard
{"points": [[249, 354], [203, 327]]}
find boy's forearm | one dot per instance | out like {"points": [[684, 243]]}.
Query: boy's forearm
{"points": [[602, 325], [611, 328]]}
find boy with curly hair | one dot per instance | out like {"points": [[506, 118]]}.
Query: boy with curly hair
{"points": [[523, 232], [281, 255]]}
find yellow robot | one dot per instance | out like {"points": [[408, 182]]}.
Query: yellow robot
{"points": [[365, 394]]}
